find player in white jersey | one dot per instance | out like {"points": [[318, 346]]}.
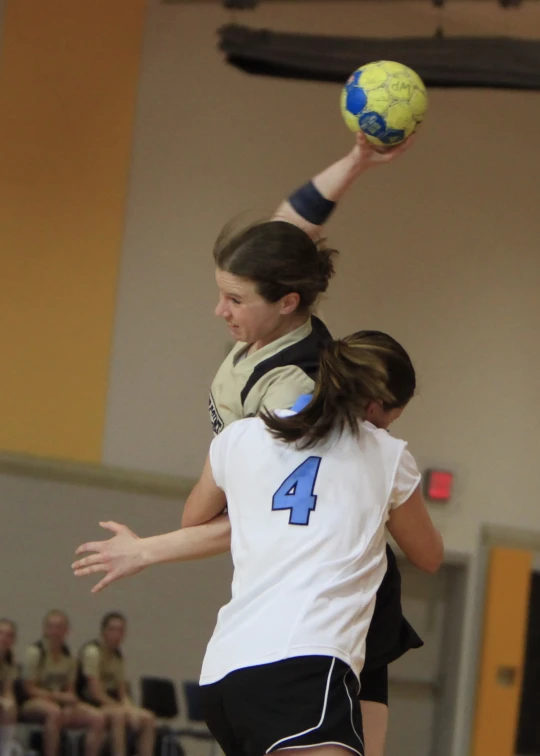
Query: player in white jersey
{"points": [[309, 495], [269, 277]]}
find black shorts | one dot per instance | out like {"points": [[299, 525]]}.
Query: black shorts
{"points": [[295, 703], [374, 685], [389, 635]]}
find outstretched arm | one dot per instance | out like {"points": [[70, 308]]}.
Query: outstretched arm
{"points": [[126, 554], [312, 204]]}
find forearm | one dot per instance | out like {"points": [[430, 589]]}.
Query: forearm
{"points": [[195, 542], [34, 691], [334, 181], [105, 700], [311, 205], [64, 697], [99, 694], [124, 695]]}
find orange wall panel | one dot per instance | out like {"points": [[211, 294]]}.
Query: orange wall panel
{"points": [[68, 85], [503, 652]]}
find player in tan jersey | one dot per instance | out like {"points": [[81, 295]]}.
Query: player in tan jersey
{"points": [[105, 686], [273, 381], [49, 673], [8, 673], [268, 308]]}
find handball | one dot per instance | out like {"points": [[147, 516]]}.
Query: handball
{"points": [[385, 100]]}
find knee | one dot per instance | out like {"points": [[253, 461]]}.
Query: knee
{"points": [[97, 721], [8, 712], [53, 716], [117, 717], [148, 719]]}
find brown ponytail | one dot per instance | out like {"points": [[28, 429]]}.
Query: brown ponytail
{"points": [[354, 371]]}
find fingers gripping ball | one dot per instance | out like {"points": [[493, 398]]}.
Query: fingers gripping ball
{"points": [[385, 100]]}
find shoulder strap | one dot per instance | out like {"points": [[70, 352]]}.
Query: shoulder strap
{"points": [[41, 648], [304, 354], [97, 644]]}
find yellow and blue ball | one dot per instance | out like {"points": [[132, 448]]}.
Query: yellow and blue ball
{"points": [[385, 100]]}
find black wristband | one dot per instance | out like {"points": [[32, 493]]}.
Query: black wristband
{"points": [[311, 205]]}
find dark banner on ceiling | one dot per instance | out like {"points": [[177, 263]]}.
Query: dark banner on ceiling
{"points": [[441, 61]]}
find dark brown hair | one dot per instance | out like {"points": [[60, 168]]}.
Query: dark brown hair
{"points": [[109, 617], [56, 613], [364, 367], [279, 258]]}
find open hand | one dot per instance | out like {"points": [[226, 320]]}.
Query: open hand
{"points": [[118, 557]]}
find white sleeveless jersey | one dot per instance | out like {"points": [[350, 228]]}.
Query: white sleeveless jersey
{"points": [[308, 543]]}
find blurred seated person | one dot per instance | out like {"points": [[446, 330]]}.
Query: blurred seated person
{"points": [[8, 674], [104, 685], [49, 674]]}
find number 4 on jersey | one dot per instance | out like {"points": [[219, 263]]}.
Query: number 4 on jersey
{"points": [[296, 492]]}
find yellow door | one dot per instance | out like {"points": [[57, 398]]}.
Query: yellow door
{"points": [[502, 652]]}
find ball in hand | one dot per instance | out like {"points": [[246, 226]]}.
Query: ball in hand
{"points": [[385, 100]]}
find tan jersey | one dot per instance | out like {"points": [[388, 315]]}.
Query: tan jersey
{"points": [[54, 674], [8, 673], [276, 388], [107, 666]]}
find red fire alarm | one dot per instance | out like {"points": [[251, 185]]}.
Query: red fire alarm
{"points": [[438, 485]]}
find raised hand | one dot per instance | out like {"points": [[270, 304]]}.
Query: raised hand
{"points": [[367, 155], [118, 557]]}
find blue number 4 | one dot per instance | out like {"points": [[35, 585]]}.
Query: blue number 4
{"points": [[296, 492]]}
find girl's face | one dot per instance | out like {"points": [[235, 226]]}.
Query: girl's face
{"points": [[250, 317], [7, 637], [114, 632], [56, 628]]}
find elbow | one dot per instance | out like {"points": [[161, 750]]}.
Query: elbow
{"points": [[431, 562], [428, 564], [432, 566], [187, 521]]}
